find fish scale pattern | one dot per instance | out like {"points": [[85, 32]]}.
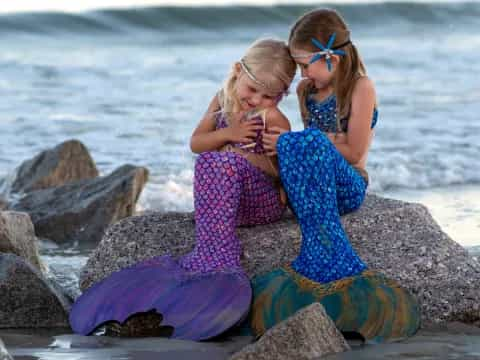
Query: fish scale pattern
{"points": [[321, 185], [229, 191], [205, 292], [312, 170]]}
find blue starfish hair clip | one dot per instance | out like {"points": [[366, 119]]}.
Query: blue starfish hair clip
{"points": [[325, 51]]}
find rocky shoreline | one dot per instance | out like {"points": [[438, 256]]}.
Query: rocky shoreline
{"points": [[58, 195], [400, 239]]}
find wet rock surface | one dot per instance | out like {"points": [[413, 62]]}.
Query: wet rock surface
{"points": [[17, 236], [308, 334], [28, 299], [82, 210], [66, 162]]}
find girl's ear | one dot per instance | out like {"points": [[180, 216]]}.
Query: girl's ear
{"points": [[335, 59]]}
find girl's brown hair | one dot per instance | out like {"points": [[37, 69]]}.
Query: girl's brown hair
{"points": [[321, 24]]}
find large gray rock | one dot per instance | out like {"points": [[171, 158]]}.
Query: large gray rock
{"points": [[152, 234], [82, 210], [4, 355], [67, 162], [17, 236], [400, 239], [27, 298], [308, 334], [3, 204]]}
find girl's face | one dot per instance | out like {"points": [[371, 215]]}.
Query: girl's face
{"points": [[318, 70], [252, 95]]}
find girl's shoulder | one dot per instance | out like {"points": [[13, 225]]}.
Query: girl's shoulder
{"points": [[211, 117], [275, 117], [364, 102], [364, 86]]}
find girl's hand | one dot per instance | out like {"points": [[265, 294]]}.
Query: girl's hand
{"points": [[225, 148], [238, 151], [243, 131], [231, 148], [270, 139]]}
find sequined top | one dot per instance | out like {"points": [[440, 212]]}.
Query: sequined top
{"points": [[323, 115], [256, 146]]}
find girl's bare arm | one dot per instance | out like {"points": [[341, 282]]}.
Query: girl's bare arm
{"points": [[355, 143], [206, 137]]}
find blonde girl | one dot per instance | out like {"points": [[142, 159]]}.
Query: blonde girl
{"points": [[206, 292]]}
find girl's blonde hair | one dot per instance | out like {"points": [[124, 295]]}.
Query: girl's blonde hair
{"points": [[321, 24], [267, 60]]}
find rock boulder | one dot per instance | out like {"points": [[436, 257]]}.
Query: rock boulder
{"points": [[17, 236], [67, 162], [82, 210], [308, 334], [398, 238], [28, 299]]}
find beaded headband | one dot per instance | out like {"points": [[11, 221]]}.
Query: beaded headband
{"points": [[255, 80], [250, 75], [325, 51]]}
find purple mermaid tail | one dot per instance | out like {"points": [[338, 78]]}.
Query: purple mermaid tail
{"points": [[206, 291], [197, 305]]}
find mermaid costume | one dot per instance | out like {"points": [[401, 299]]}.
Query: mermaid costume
{"points": [[321, 185], [205, 292]]}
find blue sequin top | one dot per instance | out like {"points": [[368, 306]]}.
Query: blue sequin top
{"points": [[323, 114]]}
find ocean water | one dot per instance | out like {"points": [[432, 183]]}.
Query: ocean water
{"points": [[132, 84]]}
